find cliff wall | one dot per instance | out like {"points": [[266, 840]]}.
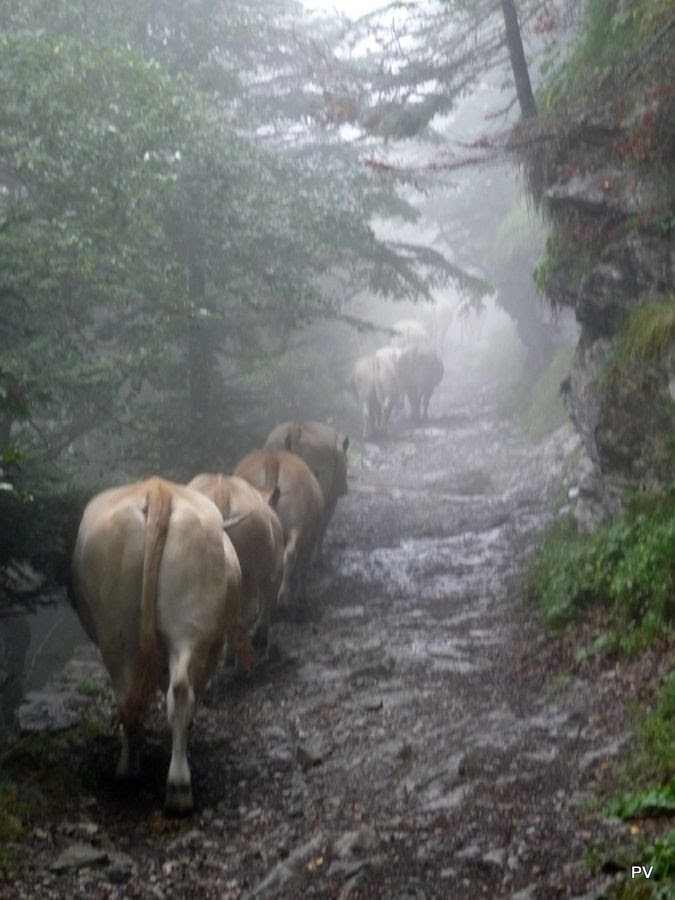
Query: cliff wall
{"points": [[607, 180]]}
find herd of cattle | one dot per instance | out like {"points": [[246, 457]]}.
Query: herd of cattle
{"points": [[165, 574], [410, 368]]}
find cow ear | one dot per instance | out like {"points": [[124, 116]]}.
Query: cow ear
{"points": [[345, 444]]}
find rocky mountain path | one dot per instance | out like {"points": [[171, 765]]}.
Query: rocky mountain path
{"points": [[416, 733]]}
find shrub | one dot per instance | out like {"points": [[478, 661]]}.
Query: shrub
{"points": [[627, 568]]}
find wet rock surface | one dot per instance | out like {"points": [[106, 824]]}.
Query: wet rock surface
{"points": [[412, 735]]}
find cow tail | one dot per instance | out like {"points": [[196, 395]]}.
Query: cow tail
{"points": [[157, 511], [222, 498], [271, 471]]}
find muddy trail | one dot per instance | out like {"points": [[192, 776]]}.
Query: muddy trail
{"points": [[412, 736]]}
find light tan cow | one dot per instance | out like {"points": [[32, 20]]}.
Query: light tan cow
{"points": [[258, 540], [420, 371], [389, 383], [157, 588], [376, 387], [325, 452], [300, 510]]}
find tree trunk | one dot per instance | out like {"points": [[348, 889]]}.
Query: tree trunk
{"points": [[528, 106]]}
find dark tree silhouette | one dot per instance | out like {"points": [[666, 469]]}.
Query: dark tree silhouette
{"points": [[521, 73]]}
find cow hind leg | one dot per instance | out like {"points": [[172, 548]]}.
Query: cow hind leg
{"points": [[131, 711], [425, 407], [129, 764], [255, 605], [180, 704], [386, 415], [366, 421], [290, 561], [318, 547], [261, 633], [301, 573]]}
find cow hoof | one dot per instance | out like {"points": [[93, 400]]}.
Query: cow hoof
{"points": [[178, 800]]}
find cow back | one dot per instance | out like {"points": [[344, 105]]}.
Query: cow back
{"points": [[300, 504], [258, 538], [191, 602], [322, 448]]}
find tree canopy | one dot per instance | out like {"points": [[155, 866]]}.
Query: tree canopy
{"points": [[149, 223]]}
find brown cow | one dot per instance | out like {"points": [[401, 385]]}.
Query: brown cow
{"points": [[324, 451], [157, 588], [259, 542], [300, 509]]}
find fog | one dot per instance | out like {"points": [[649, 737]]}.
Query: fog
{"points": [[174, 339], [371, 541]]}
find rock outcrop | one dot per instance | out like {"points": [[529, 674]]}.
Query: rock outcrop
{"points": [[609, 192]]}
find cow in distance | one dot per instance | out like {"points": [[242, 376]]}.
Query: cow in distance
{"points": [[325, 451]]}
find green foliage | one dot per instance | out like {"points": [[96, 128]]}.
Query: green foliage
{"points": [[655, 801], [11, 826], [649, 334], [666, 224], [612, 32], [568, 257], [628, 568], [541, 409], [82, 254], [657, 736], [11, 823], [91, 689], [661, 855], [36, 775], [657, 855], [154, 221]]}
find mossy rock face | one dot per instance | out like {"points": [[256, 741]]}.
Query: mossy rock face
{"points": [[638, 266], [625, 414], [635, 433]]}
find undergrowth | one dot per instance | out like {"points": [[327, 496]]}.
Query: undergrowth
{"points": [[626, 568], [650, 332], [613, 31], [651, 776], [35, 775]]}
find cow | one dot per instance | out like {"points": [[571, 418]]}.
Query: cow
{"points": [[258, 540], [376, 386], [300, 510], [156, 585], [410, 331], [420, 371], [325, 452]]}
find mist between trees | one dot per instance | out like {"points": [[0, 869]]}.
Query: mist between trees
{"points": [[204, 213]]}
